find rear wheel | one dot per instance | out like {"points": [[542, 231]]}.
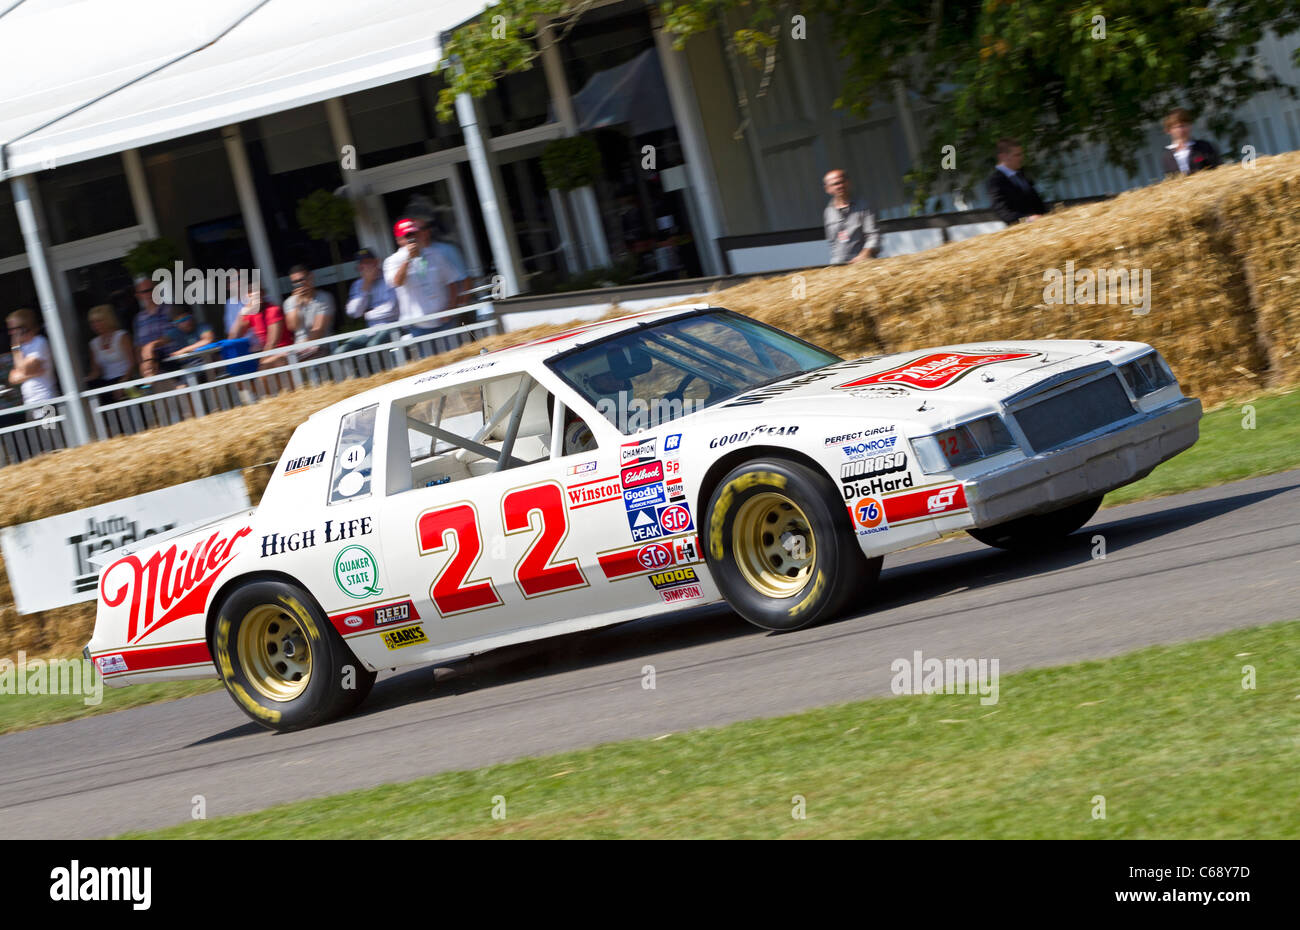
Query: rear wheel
{"points": [[1038, 529], [781, 548], [282, 661]]}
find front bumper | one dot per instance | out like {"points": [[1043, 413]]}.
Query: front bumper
{"points": [[1061, 477]]}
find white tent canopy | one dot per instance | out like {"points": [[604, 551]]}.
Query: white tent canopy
{"points": [[271, 55]]}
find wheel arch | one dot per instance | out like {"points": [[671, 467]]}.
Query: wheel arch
{"points": [[230, 585], [725, 463]]}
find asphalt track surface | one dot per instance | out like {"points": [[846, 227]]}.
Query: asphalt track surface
{"points": [[1178, 568]]}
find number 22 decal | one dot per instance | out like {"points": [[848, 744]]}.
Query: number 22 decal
{"points": [[458, 525]]}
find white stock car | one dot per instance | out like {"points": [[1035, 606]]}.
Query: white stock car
{"points": [[663, 460]]}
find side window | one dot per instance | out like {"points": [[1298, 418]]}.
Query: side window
{"points": [[468, 430], [353, 455], [578, 437]]}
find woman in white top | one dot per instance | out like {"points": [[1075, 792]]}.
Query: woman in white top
{"points": [[111, 357], [33, 369]]}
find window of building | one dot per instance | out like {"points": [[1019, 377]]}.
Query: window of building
{"points": [[86, 198], [621, 101], [203, 219], [536, 226], [396, 121], [11, 235], [604, 38], [291, 154], [106, 282], [518, 102], [17, 289]]}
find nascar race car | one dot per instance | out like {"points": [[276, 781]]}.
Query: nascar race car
{"points": [[659, 461]]}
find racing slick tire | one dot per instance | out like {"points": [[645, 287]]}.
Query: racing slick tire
{"points": [[781, 548], [282, 661], [1039, 529]]}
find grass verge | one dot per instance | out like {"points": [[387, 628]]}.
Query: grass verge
{"points": [[25, 711], [1228, 450], [1168, 736]]}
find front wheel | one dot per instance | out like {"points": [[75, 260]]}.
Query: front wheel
{"points": [[1039, 529], [780, 546], [282, 661]]}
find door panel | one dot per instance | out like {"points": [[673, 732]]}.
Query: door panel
{"points": [[500, 551]]}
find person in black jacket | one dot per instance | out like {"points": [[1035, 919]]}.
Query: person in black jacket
{"points": [[1185, 155], [1013, 194]]}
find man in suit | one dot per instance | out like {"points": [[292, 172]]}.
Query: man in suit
{"points": [[1185, 155], [1014, 197]]}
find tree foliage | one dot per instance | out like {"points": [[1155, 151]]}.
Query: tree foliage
{"points": [[570, 163], [1055, 73], [148, 255], [326, 216]]}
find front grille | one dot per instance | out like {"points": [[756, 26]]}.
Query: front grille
{"points": [[1057, 420]]}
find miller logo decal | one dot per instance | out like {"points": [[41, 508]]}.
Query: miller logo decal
{"points": [[170, 584], [932, 372]]}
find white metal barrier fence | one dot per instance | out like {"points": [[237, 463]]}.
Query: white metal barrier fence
{"points": [[204, 387], [31, 429]]}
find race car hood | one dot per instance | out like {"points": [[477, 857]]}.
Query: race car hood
{"points": [[930, 385]]}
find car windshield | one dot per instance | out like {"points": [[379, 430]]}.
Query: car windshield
{"points": [[661, 371]]}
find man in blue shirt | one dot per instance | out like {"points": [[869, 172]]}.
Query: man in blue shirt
{"points": [[373, 299], [185, 335], [151, 328]]}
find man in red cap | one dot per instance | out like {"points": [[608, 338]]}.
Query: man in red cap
{"points": [[422, 279]]}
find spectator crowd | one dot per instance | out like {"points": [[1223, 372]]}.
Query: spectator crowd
{"points": [[425, 276]]}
